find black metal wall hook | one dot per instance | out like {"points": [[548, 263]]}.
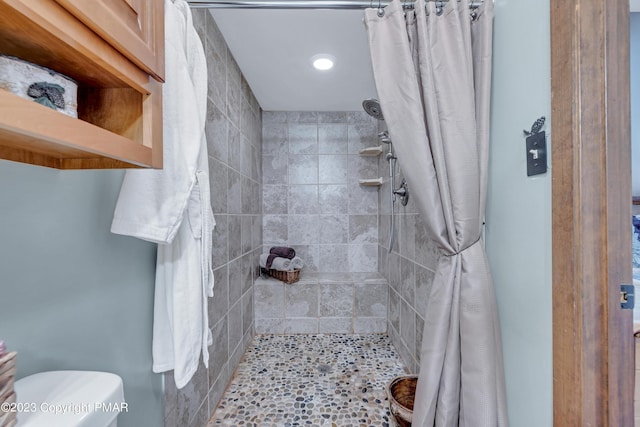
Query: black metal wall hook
{"points": [[536, 127]]}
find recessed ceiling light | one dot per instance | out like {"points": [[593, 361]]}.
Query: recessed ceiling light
{"points": [[323, 61]]}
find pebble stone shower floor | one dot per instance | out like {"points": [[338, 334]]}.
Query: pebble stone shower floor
{"points": [[311, 380]]}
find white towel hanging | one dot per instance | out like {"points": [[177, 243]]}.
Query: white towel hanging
{"points": [[172, 206]]}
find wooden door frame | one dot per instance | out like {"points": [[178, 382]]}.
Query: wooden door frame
{"points": [[593, 346]]}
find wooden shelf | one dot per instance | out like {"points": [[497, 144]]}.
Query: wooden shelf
{"points": [[35, 134], [119, 104]]}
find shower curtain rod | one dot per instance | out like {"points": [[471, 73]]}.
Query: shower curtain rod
{"points": [[302, 4]]}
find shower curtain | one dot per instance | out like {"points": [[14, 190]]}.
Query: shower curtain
{"points": [[432, 69]]}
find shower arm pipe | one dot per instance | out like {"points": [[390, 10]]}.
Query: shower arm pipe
{"points": [[392, 186], [304, 4], [392, 202]]}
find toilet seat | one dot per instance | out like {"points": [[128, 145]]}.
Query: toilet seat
{"points": [[69, 399]]}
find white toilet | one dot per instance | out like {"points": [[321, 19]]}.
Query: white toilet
{"points": [[70, 399]]}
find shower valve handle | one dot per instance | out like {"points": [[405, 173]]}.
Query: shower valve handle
{"points": [[402, 191]]}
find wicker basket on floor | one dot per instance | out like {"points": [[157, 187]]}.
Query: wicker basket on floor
{"points": [[287, 277], [401, 392], [7, 395]]}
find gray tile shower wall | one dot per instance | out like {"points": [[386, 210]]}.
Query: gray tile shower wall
{"points": [[409, 269], [312, 200], [234, 139]]}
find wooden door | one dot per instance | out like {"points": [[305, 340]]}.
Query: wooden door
{"points": [[593, 348], [134, 27]]}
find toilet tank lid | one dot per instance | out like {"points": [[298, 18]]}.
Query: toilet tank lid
{"points": [[70, 398]]}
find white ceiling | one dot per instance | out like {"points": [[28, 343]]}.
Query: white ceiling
{"points": [[274, 48]]}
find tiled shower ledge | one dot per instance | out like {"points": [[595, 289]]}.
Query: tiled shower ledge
{"points": [[311, 380], [322, 303], [309, 277]]}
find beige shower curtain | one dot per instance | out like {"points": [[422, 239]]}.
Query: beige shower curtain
{"points": [[432, 70]]}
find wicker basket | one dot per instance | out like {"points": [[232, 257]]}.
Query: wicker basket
{"points": [[287, 277], [9, 419], [7, 395], [401, 392]]}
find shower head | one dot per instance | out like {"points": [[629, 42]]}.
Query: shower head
{"points": [[372, 108]]}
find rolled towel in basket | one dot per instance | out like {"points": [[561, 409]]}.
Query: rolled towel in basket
{"points": [[281, 264], [266, 260], [296, 263], [270, 261], [283, 251], [285, 264], [263, 260]]}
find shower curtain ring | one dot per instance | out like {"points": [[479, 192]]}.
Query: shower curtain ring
{"points": [[380, 9], [439, 8]]}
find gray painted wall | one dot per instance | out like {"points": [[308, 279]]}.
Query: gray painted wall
{"points": [[518, 231], [73, 295], [635, 100]]}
